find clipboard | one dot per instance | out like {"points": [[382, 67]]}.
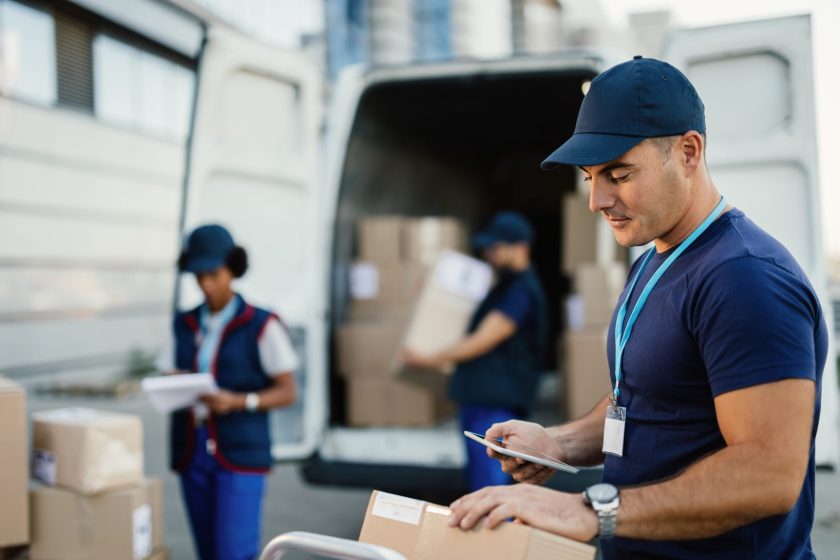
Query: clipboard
{"points": [[524, 453]]}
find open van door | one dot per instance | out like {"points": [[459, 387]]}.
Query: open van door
{"points": [[756, 81], [253, 168]]}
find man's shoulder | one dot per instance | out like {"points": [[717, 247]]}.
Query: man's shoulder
{"points": [[743, 246]]}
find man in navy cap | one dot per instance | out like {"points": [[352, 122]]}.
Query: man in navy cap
{"points": [[498, 362], [716, 351]]}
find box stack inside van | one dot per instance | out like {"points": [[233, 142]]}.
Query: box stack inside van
{"points": [[597, 284], [395, 255]]}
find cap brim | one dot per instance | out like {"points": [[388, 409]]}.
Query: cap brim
{"points": [[588, 148], [203, 264]]}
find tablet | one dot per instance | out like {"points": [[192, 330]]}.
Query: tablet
{"points": [[522, 452]]}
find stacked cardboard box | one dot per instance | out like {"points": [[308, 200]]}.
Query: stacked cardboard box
{"points": [[598, 281], [420, 531], [95, 503], [14, 505], [395, 254]]}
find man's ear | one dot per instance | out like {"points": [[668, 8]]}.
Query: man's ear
{"points": [[691, 146]]}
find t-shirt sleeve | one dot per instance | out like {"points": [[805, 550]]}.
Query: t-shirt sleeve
{"points": [[277, 355], [755, 323], [515, 304]]}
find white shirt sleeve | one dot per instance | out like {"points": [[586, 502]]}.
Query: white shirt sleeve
{"points": [[277, 355]]}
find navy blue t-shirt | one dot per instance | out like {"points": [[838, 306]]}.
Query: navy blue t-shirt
{"points": [[735, 310], [516, 305]]}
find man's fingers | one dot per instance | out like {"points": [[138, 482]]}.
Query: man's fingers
{"points": [[461, 506], [487, 501], [499, 430], [501, 512]]}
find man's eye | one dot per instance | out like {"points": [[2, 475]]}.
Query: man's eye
{"points": [[619, 179], [587, 179]]}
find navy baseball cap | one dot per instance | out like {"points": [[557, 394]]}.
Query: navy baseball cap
{"points": [[638, 99], [504, 227], [207, 249]]}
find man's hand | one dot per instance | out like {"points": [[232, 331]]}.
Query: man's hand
{"points": [[223, 402], [530, 435], [557, 512], [422, 361]]}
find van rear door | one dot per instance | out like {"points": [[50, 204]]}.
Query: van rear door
{"points": [[253, 169], [756, 81]]}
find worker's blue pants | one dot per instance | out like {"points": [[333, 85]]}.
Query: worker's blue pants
{"points": [[224, 507], [482, 470]]}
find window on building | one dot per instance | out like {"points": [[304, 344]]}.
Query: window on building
{"points": [[27, 53], [140, 90]]}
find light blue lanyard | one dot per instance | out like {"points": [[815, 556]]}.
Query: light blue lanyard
{"points": [[622, 336], [210, 338]]}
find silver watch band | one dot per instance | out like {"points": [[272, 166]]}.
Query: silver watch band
{"points": [[607, 522]]}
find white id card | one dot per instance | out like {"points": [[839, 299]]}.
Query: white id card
{"points": [[614, 430]]}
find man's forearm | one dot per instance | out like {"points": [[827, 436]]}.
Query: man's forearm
{"points": [[581, 440], [726, 490], [467, 349]]}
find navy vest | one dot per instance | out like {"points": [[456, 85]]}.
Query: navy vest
{"points": [[507, 376], [242, 439]]}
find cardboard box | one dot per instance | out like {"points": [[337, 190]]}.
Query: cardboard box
{"points": [[124, 524], [425, 238], [87, 450], [395, 239], [599, 287], [384, 290], [389, 402], [587, 372], [14, 479], [419, 531], [368, 348], [450, 297], [380, 239], [162, 553], [580, 232]]}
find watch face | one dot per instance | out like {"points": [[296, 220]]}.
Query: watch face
{"points": [[602, 493]]}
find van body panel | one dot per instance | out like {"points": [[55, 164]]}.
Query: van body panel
{"points": [[756, 80], [253, 168]]}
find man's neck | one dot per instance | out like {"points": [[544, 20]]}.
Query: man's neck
{"points": [[694, 216]]}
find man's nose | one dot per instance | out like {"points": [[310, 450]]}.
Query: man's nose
{"points": [[600, 196]]}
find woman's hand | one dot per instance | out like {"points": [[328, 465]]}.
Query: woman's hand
{"points": [[224, 402]]}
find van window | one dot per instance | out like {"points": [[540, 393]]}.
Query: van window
{"points": [[140, 90], [27, 41]]}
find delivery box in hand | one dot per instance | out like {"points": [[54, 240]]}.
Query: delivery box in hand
{"points": [[457, 285]]}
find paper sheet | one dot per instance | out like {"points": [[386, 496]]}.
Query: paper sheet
{"points": [[171, 392]]}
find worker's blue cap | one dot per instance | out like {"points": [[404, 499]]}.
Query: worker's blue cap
{"points": [[504, 227], [207, 249], [638, 99]]}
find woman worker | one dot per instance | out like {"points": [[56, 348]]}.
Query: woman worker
{"points": [[221, 447]]}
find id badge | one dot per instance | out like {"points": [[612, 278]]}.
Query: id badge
{"points": [[614, 430]]}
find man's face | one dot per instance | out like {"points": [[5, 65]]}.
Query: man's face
{"points": [[641, 194], [499, 255]]}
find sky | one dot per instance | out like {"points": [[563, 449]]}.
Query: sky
{"points": [[825, 16]]}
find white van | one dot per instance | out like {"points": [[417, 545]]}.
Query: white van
{"points": [[464, 139]]}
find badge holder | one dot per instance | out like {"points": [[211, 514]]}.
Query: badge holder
{"points": [[614, 430]]}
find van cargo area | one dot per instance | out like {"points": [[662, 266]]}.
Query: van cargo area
{"points": [[464, 146]]}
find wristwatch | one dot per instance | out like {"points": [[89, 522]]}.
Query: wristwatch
{"points": [[604, 500], [252, 402]]}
